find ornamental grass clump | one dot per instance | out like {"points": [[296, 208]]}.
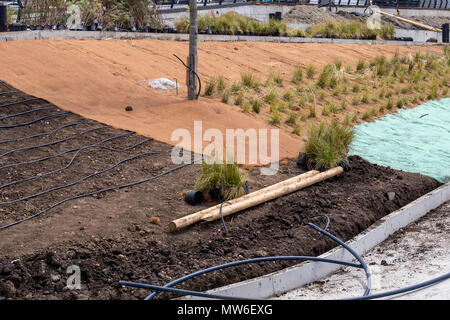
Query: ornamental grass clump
{"points": [[225, 177], [327, 144]]}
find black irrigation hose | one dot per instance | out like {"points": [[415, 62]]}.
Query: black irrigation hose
{"points": [[39, 134], [168, 286], [62, 153], [53, 142], [41, 175], [195, 73], [8, 92], [79, 180], [18, 102], [26, 112], [52, 116], [406, 289], [221, 215], [95, 192]]}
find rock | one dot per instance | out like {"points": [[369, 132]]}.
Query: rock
{"points": [[55, 277], [391, 196], [384, 263], [7, 289], [6, 269], [128, 108], [52, 259]]}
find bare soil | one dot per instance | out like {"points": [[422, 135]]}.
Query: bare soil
{"points": [[111, 237]]}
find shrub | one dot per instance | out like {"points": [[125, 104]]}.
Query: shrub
{"points": [[225, 176], [327, 144]]}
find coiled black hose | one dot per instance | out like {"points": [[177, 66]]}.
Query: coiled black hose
{"points": [[52, 116], [53, 142]]}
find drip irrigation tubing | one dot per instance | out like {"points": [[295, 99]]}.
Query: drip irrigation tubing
{"points": [[41, 175], [95, 192], [53, 142], [40, 134], [52, 116], [18, 102], [195, 73], [250, 261], [8, 92], [62, 153], [26, 112], [79, 180]]}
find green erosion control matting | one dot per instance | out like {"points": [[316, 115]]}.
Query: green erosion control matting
{"points": [[413, 140]]}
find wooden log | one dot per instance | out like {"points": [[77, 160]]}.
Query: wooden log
{"points": [[414, 23], [261, 198], [197, 216]]}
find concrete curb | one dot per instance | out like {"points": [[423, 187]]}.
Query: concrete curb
{"points": [[109, 35], [294, 277]]}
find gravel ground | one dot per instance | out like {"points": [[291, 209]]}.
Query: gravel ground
{"points": [[414, 254]]}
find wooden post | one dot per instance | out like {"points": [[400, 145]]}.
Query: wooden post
{"points": [[192, 58], [200, 215]]}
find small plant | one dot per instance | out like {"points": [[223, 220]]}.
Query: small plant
{"points": [[347, 120], [365, 98], [221, 84], [355, 116], [327, 144], [239, 100], [276, 119], [326, 110], [366, 115], [355, 100], [401, 102], [312, 111], [297, 77], [271, 96], [235, 87], [224, 176], [333, 108], [288, 95], [310, 72], [210, 87], [296, 129], [225, 96], [276, 79], [344, 105], [292, 119], [246, 107], [356, 88], [256, 106], [361, 66], [389, 104], [249, 80]]}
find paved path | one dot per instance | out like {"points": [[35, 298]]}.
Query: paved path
{"points": [[414, 254]]}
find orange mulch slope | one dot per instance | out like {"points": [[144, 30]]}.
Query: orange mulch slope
{"points": [[97, 79]]}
